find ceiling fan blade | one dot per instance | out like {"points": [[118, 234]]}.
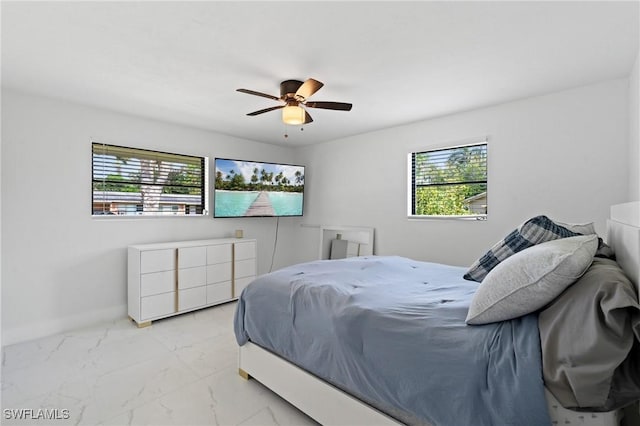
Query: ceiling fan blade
{"points": [[307, 118], [262, 111], [253, 92], [340, 106], [308, 88]]}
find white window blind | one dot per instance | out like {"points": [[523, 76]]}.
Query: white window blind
{"points": [[131, 181], [449, 182]]}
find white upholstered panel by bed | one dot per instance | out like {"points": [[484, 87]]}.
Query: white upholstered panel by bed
{"points": [[623, 235]]}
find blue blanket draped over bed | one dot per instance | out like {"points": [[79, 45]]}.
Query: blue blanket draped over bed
{"points": [[391, 331]]}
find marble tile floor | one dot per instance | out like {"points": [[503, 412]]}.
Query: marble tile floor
{"points": [[180, 371]]}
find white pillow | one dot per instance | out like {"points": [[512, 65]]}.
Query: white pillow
{"points": [[531, 278]]}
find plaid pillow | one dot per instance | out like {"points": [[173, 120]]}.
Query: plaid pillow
{"points": [[534, 231]]}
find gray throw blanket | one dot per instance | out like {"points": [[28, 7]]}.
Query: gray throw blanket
{"points": [[590, 338]]}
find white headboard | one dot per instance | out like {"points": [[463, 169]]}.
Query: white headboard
{"points": [[623, 235]]}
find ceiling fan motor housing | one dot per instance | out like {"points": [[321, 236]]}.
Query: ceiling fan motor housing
{"points": [[288, 88]]}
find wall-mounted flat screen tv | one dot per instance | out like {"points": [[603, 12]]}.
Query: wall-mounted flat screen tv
{"points": [[252, 188]]}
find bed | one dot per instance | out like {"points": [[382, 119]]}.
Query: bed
{"points": [[325, 336]]}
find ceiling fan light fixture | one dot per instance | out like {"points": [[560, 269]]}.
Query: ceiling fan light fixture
{"points": [[293, 115]]}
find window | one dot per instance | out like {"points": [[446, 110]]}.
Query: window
{"points": [[139, 182], [449, 182]]}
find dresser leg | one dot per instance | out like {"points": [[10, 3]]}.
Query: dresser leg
{"points": [[141, 324]]}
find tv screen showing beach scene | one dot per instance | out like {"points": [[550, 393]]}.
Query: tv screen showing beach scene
{"points": [[251, 188]]}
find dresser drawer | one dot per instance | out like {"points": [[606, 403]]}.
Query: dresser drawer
{"points": [[157, 260], [157, 306], [192, 277], [220, 253], [192, 298], [245, 268], [188, 257], [218, 292], [157, 282], [218, 273], [245, 250]]}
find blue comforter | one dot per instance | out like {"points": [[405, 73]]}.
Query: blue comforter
{"points": [[391, 331]]}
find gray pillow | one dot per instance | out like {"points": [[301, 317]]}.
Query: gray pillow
{"points": [[534, 231], [531, 278]]}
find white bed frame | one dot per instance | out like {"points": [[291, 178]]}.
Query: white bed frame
{"points": [[329, 405]]}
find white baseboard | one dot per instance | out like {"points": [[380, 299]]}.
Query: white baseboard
{"points": [[40, 329]]}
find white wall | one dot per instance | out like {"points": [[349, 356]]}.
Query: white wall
{"points": [[61, 269], [634, 131], [563, 155]]}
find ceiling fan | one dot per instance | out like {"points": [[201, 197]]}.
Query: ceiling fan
{"points": [[295, 94]]}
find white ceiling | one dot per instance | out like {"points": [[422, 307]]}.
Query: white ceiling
{"points": [[397, 62]]}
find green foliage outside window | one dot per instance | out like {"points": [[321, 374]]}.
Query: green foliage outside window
{"points": [[450, 182]]}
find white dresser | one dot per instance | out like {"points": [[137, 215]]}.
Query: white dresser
{"points": [[167, 279]]}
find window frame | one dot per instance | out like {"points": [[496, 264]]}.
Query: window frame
{"points": [[133, 208], [480, 141]]}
